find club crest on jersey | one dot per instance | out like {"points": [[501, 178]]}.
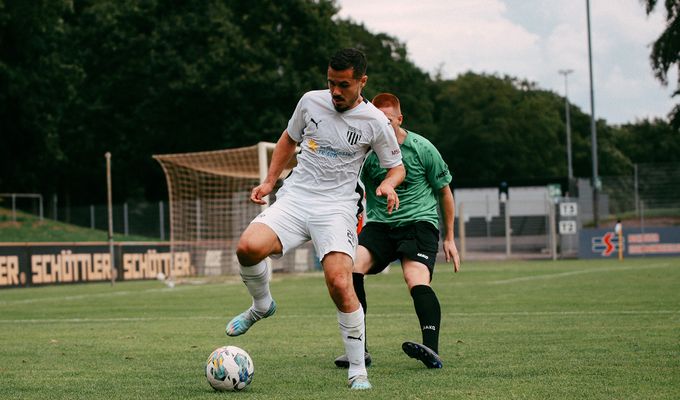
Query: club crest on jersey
{"points": [[353, 135]]}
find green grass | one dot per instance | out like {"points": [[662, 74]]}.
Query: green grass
{"points": [[24, 227], [520, 330]]}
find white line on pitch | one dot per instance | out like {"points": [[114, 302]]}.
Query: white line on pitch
{"points": [[107, 294], [77, 297], [577, 272], [456, 314]]}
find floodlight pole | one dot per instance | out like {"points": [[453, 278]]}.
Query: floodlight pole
{"points": [[110, 212], [570, 170], [593, 130]]}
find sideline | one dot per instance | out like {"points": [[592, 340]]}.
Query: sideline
{"points": [[298, 316]]}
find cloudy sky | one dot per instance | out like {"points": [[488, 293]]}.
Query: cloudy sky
{"points": [[534, 39]]}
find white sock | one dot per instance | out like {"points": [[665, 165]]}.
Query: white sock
{"points": [[256, 278], [352, 330]]}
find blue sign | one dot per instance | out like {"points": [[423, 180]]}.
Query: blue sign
{"points": [[603, 243]]}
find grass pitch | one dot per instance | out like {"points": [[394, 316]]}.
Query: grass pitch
{"points": [[526, 330]]}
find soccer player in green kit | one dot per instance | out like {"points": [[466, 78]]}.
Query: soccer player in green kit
{"points": [[410, 234]]}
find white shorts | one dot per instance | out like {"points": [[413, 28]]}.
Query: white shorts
{"points": [[295, 222]]}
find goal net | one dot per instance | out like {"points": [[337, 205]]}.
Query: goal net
{"points": [[209, 199]]}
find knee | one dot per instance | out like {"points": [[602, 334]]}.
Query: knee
{"points": [[248, 254], [340, 285]]}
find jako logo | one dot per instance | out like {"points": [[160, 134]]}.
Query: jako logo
{"points": [[423, 256], [430, 327]]}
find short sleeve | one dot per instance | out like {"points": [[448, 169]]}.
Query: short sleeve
{"points": [[385, 144], [297, 124], [436, 169]]}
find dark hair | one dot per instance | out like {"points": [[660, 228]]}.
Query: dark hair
{"points": [[349, 58]]}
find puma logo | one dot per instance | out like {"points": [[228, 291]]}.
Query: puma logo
{"points": [[355, 338], [316, 123]]}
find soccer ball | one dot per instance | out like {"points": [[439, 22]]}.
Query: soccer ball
{"points": [[229, 368]]}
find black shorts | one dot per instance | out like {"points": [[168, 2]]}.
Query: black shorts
{"points": [[418, 241]]}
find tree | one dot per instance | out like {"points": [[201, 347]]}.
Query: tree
{"points": [[493, 129], [390, 70], [37, 83], [79, 78], [164, 77], [635, 140], [666, 50]]}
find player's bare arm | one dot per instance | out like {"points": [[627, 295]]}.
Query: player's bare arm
{"points": [[394, 177], [283, 151], [449, 214]]}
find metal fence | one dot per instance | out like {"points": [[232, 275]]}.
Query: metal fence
{"points": [[147, 219], [490, 227], [138, 218], [28, 202], [652, 189]]}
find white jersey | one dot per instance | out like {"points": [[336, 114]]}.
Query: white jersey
{"points": [[334, 145]]}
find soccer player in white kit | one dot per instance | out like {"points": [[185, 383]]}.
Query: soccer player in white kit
{"points": [[320, 200]]}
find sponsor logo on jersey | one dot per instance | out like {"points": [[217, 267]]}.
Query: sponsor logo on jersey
{"points": [[316, 123], [395, 152], [442, 174], [353, 135], [311, 143], [328, 151]]}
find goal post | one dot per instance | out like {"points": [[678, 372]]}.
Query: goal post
{"points": [[209, 201]]}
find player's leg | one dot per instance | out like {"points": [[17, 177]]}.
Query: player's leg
{"points": [[374, 253], [334, 236], [419, 254], [270, 234], [257, 242], [428, 310], [363, 262], [338, 273], [362, 265]]}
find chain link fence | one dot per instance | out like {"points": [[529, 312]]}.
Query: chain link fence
{"points": [[649, 191], [488, 223], [145, 219]]}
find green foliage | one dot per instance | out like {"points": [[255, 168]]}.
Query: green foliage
{"points": [[590, 329], [493, 129], [79, 78], [666, 50], [390, 70], [38, 81], [649, 141]]}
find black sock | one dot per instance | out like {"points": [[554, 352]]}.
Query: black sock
{"points": [[358, 280], [429, 314]]}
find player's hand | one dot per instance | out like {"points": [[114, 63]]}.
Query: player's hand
{"points": [[259, 192], [387, 191], [451, 253]]}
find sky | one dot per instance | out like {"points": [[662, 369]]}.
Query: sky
{"points": [[533, 40]]}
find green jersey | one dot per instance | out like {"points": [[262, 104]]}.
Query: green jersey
{"points": [[426, 175]]}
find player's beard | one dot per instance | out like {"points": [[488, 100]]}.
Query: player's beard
{"points": [[345, 105]]}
